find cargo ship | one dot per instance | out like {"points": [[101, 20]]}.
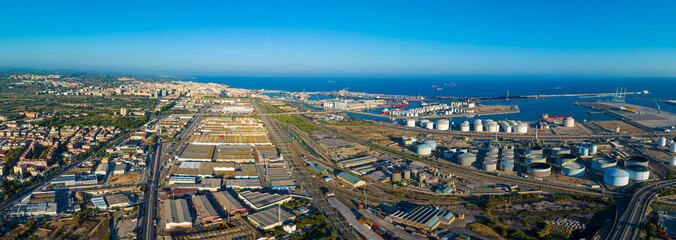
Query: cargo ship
{"points": [[546, 117], [385, 111], [400, 105]]}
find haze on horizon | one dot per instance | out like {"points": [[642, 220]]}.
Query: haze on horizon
{"points": [[338, 38]]}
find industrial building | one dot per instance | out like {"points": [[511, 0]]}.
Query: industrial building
{"points": [[205, 210], [99, 203], [177, 214], [205, 184], [279, 178], [269, 219], [36, 204], [243, 184], [247, 170], [213, 140], [101, 169], [117, 201], [266, 152], [202, 169], [424, 217], [120, 168], [178, 180], [74, 180], [260, 201], [236, 154], [197, 153], [229, 203], [351, 180], [357, 161]]}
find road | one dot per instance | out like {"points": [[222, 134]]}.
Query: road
{"points": [[629, 225]]}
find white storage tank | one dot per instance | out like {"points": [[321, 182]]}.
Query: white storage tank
{"points": [[559, 150], [539, 169], [534, 150], [569, 122], [432, 144], [429, 125], [466, 159], [535, 158], [423, 123], [562, 159], [424, 149], [662, 141], [410, 122], [443, 125], [448, 154], [493, 127], [464, 126], [672, 147], [593, 149], [490, 165], [602, 164], [492, 150], [616, 177], [637, 160], [572, 169], [407, 174], [672, 161], [638, 172], [478, 126], [506, 166], [522, 128]]}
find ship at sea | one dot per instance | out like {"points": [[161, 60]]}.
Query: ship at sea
{"points": [[385, 111], [546, 117]]}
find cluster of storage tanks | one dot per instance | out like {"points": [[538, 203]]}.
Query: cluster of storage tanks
{"points": [[663, 142], [426, 147], [492, 126], [439, 109]]}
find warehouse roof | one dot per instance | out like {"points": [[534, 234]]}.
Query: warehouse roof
{"points": [[228, 201], [197, 153], [270, 218], [204, 208]]}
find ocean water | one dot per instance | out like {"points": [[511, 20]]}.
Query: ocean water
{"points": [[531, 110]]}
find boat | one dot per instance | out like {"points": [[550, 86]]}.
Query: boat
{"points": [[559, 88], [546, 117], [385, 111], [400, 105], [332, 81], [450, 84], [439, 89], [435, 86]]}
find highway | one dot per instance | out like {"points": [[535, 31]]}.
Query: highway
{"points": [[629, 225]]}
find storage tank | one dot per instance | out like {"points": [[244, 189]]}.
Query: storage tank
{"points": [[535, 158], [466, 159], [572, 169], [672, 147], [559, 150], [602, 164], [443, 124], [638, 172], [593, 149], [637, 160], [396, 176], [522, 128], [429, 125], [407, 174], [539, 169], [462, 150], [410, 122], [507, 158], [432, 144], [662, 141], [490, 165], [565, 158], [616, 177], [404, 139], [672, 161], [464, 126], [534, 150], [448, 154], [478, 126], [583, 151], [569, 122], [492, 150], [424, 149], [491, 156], [506, 166], [493, 127]]}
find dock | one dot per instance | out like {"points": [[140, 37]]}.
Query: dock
{"points": [[648, 117]]}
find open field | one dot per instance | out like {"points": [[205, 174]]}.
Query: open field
{"points": [[624, 127], [125, 178]]}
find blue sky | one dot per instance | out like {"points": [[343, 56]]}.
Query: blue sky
{"points": [[343, 38]]}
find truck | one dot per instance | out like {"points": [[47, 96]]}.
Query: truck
{"points": [[330, 195]]}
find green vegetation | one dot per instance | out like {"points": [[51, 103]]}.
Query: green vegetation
{"points": [[296, 203], [269, 108], [321, 232], [301, 124], [667, 192], [351, 121], [82, 121]]}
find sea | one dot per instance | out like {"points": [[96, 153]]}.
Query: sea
{"points": [[530, 110]]}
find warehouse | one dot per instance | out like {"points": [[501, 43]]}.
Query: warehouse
{"points": [[270, 218], [357, 161], [229, 203], [99, 203], [33, 209], [424, 217], [260, 201], [279, 178], [206, 184], [120, 169], [213, 140], [177, 214], [202, 169], [74, 180], [247, 170], [177, 179], [206, 212], [101, 169], [117, 200], [266, 152], [197, 153], [349, 179], [236, 154], [243, 183]]}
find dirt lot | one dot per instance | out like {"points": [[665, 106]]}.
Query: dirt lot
{"points": [[541, 205], [125, 178], [91, 228], [391, 137], [624, 127]]}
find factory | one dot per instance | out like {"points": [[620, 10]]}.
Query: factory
{"points": [[258, 201], [424, 217], [229, 203], [236, 154], [269, 219], [279, 178], [101, 169], [351, 180], [120, 169], [117, 201], [177, 214], [213, 140], [74, 180], [99, 203], [205, 210], [202, 169], [241, 184], [35, 204], [197, 153]]}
